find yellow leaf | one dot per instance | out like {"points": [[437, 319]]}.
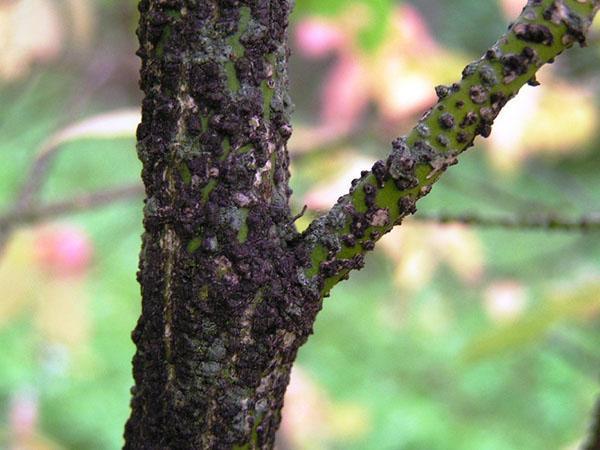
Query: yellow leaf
{"points": [[82, 20], [30, 31], [62, 315], [18, 277], [532, 327], [560, 119]]}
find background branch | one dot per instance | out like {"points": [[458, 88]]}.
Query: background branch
{"points": [[587, 222], [37, 213]]}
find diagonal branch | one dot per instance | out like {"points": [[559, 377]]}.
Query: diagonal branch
{"points": [[383, 196]]}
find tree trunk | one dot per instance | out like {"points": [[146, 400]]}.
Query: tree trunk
{"points": [[223, 313], [230, 290]]}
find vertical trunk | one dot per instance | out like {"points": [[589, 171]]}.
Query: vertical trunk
{"points": [[223, 312]]}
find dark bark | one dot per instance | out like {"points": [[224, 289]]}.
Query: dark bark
{"points": [[223, 312]]}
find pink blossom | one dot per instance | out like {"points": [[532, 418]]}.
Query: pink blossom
{"points": [[412, 26], [316, 37], [64, 250], [23, 414]]}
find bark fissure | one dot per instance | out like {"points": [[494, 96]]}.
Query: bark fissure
{"points": [[169, 242]]}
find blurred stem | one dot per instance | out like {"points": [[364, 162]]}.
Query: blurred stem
{"points": [[84, 202], [387, 193], [588, 222]]}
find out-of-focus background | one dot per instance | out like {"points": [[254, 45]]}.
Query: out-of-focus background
{"points": [[453, 337]]}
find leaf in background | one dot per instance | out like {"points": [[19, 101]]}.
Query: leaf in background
{"points": [[64, 254], [30, 31], [349, 421], [118, 123], [345, 94], [22, 47], [460, 247], [435, 315], [372, 14], [532, 327], [418, 249], [560, 119], [344, 169], [82, 21], [316, 37], [406, 66], [398, 75], [305, 412], [511, 8], [18, 278], [45, 270], [62, 313], [311, 419], [23, 428]]}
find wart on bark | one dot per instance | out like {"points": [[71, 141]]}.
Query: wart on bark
{"points": [[223, 310]]}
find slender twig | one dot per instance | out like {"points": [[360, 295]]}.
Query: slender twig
{"points": [[587, 222], [499, 195], [81, 202]]}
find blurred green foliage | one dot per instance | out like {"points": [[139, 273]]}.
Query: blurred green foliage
{"points": [[378, 13], [398, 354]]}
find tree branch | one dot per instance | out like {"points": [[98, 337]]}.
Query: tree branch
{"points": [[35, 213], [588, 222], [387, 193], [34, 181]]}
